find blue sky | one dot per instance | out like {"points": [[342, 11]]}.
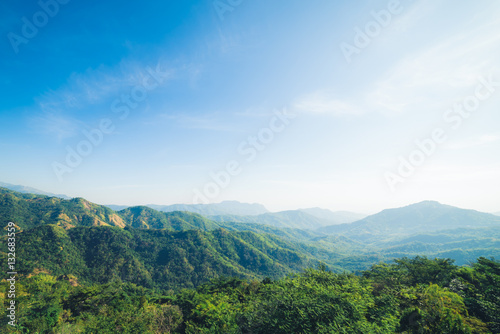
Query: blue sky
{"points": [[223, 71]]}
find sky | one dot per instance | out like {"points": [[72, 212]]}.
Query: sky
{"points": [[343, 105]]}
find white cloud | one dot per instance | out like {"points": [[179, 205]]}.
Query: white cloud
{"points": [[473, 142], [442, 72], [324, 102], [55, 124], [428, 80], [208, 121], [56, 110]]}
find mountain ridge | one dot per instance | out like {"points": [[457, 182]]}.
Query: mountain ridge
{"points": [[30, 190], [337, 217], [354, 246], [425, 216], [222, 208]]}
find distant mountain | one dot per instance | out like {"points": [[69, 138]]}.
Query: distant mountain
{"points": [[424, 217], [29, 190], [497, 213], [284, 219], [337, 217], [116, 207], [223, 208]]}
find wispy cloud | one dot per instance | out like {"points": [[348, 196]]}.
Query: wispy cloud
{"points": [[59, 112], [430, 78], [92, 87], [255, 112], [473, 142], [55, 124], [209, 121], [325, 102], [438, 73]]}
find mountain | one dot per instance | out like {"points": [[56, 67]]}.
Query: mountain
{"points": [[337, 217], [153, 258], [29, 190], [223, 208], [427, 228], [30, 210], [423, 217], [144, 217], [284, 219]]}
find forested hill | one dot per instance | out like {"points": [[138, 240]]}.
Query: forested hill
{"points": [[153, 258], [30, 210]]}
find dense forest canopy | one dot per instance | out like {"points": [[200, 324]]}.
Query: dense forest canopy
{"points": [[411, 295]]}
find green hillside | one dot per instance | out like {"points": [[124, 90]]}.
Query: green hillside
{"points": [[145, 218], [29, 210], [285, 219], [153, 258]]}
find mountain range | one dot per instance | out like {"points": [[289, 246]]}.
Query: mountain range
{"points": [[235, 211], [223, 208], [285, 241], [423, 217], [29, 190], [336, 217], [305, 219]]}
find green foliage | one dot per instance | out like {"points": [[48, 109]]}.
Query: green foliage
{"points": [[389, 298], [319, 302], [418, 270], [145, 217], [480, 288]]}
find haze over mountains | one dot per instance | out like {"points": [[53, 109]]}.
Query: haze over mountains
{"points": [[299, 219], [238, 212], [423, 217], [223, 208], [29, 190]]}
